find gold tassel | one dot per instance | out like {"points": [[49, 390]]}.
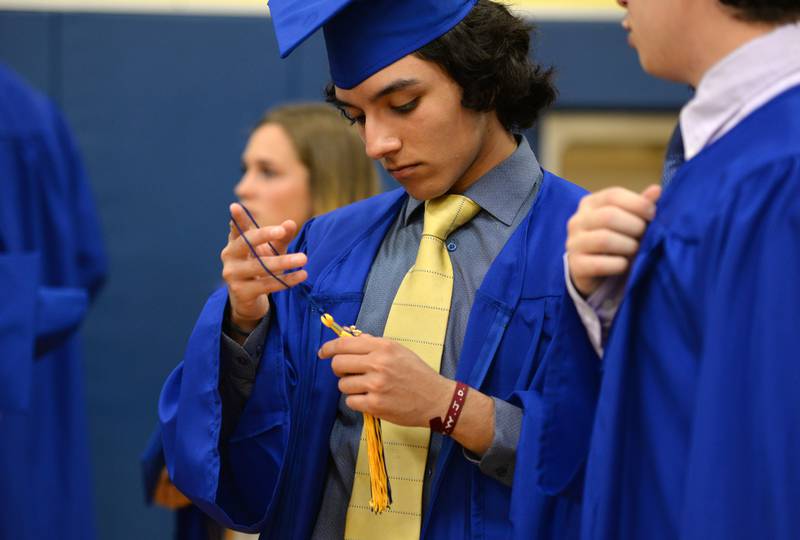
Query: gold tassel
{"points": [[378, 477]]}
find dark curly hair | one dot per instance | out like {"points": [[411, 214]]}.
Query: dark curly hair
{"points": [[768, 11], [487, 55]]}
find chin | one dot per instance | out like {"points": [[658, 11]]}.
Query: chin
{"points": [[425, 191], [429, 187], [662, 71]]}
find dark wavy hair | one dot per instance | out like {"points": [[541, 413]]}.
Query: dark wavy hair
{"points": [[768, 11], [487, 55]]}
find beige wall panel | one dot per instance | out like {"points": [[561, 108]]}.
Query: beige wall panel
{"points": [[602, 150]]}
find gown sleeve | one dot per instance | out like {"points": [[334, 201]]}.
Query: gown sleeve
{"points": [[18, 287], [566, 398], [558, 413], [36, 318], [233, 483], [233, 475], [743, 478]]}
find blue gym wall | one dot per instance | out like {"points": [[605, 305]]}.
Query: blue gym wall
{"points": [[161, 106]]}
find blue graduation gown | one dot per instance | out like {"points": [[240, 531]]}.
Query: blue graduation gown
{"points": [[697, 430], [270, 477], [51, 264], [190, 522]]}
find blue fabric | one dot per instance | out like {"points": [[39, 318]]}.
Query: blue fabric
{"points": [[505, 195], [271, 472], [152, 462], [364, 36], [190, 522], [19, 278], [697, 429], [51, 263], [674, 158]]}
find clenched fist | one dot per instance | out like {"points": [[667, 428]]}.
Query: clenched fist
{"points": [[603, 235]]}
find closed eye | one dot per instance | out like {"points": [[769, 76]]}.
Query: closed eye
{"points": [[267, 171], [407, 107]]}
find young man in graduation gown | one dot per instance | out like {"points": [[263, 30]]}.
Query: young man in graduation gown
{"points": [[52, 264], [697, 427], [460, 271]]}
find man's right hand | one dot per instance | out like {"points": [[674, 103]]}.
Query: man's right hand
{"points": [[604, 233], [248, 283]]}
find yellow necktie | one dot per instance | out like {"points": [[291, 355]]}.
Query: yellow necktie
{"points": [[418, 320]]}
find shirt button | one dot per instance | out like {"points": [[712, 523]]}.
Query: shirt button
{"points": [[608, 305], [242, 360], [428, 471], [451, 246]]}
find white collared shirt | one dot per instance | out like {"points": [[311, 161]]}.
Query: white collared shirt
{"points": [[740, 83], [731, 90]]}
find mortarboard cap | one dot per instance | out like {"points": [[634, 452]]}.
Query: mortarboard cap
{"points": [[364, 36]]}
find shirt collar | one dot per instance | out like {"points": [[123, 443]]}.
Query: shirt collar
{"points": [[733, 85], [502, 191]]}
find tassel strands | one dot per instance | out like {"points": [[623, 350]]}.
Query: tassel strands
{"points": [[380, 491], [378, 478]]}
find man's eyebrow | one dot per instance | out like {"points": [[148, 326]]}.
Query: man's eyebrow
{"points": [[339, 104], [395, 86]]}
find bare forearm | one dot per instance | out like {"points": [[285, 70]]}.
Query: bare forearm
{"points": [[475, 428]]}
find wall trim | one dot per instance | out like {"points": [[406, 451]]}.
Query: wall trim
{"points": [[544, 10]]}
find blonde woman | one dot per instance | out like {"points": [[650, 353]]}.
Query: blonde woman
{"points": [[300, 161]]}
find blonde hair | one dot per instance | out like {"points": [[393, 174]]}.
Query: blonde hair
{"points": [[339, 170]]}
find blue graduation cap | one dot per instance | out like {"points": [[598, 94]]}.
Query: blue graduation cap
{"points": [[364, 36]]}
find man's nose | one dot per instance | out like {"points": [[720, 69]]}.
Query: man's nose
{"points": [[379, 141]]}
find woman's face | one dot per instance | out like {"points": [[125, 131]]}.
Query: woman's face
{"points": [[275, 184]]}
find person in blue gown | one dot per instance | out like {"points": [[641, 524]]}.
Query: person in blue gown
{"points": [[689, 298], [255, 429], [300, 160], [52, 264]]}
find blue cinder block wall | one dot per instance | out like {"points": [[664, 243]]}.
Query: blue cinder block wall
{"points": [[161, 106]]}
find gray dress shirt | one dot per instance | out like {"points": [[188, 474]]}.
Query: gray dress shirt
{"points": [[505, 195]]}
